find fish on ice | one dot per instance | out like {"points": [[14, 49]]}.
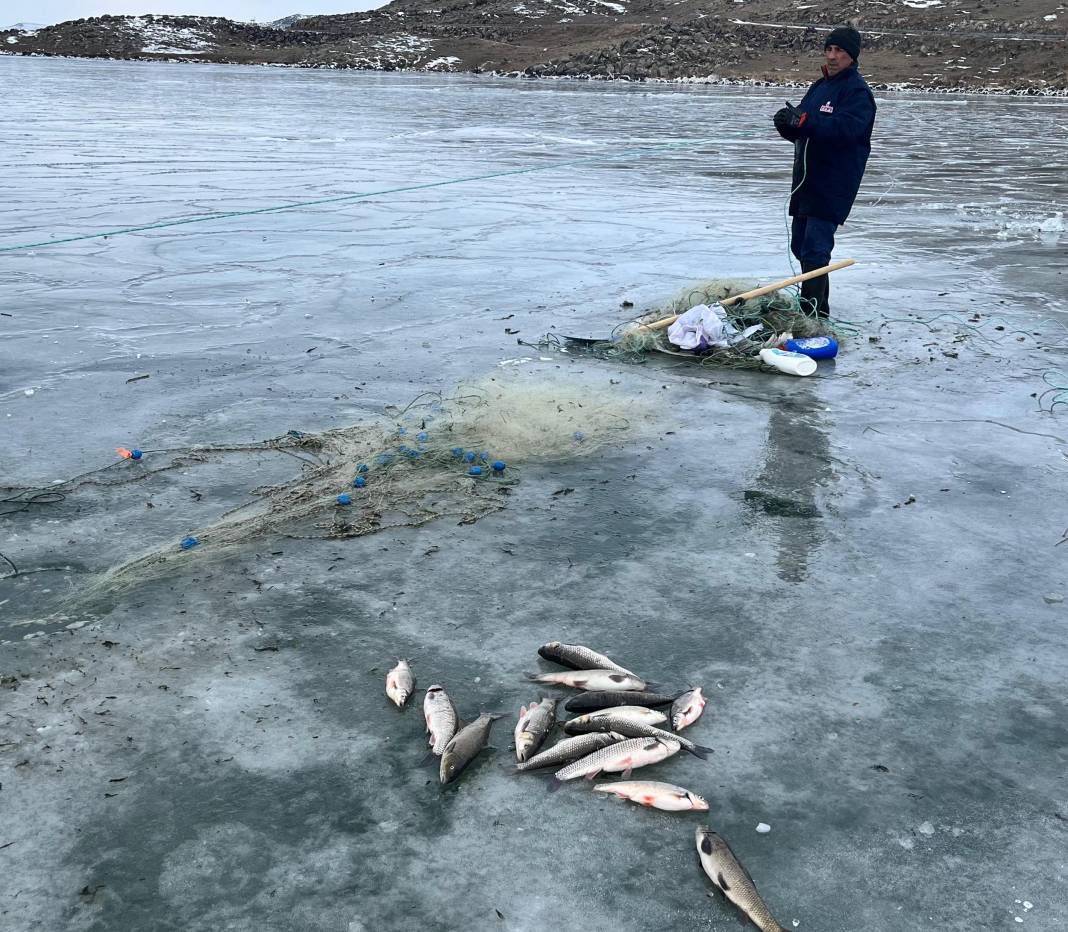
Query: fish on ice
{"points": [[535, 723], [620, 758], [733, 880], [636, 713], [602, 680], [634, 729], [656, 795], [578, 657], [400, 683], [441, 718], [687, 708], [570, 749], [465, 746], [605, 699]]}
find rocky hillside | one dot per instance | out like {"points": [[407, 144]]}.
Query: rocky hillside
{"points": [[1019, 46]]}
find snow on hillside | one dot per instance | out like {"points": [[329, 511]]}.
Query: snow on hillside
{"points": [[166, 39]]}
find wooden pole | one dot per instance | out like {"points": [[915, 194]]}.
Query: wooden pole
{"points": [[757, 292]]}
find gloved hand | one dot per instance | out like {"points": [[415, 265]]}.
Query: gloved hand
{"points": [[789, 120]]}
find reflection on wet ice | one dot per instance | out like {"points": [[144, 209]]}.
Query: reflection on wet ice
{"points": [[797, 461]]}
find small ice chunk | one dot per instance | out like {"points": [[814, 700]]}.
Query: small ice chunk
{"points": [[1017, 918], [1028, 905], [28, 392], [1053, 598], [763, 828], [926, 828]]}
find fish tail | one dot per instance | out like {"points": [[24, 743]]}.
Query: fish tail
{"points": [[555, 783], [699, 750], [534, 677]]}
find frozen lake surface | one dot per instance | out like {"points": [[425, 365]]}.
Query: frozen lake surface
{"points": [[861, 568]]}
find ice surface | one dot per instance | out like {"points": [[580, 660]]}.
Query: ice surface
{"points": [[215, 749]]}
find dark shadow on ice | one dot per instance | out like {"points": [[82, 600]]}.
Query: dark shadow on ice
{"points": [[797, 462]]}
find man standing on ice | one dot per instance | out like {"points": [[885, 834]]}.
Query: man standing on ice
{"points": [[831, 132]]}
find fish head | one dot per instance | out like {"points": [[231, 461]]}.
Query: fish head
{"points": [[523, 743], [697, 803], [450, 766], [709, 844]]}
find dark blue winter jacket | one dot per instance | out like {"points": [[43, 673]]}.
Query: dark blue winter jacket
{"points": [[832, 146]]}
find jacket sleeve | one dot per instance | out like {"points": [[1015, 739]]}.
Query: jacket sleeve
{"points": [[852, 118]]}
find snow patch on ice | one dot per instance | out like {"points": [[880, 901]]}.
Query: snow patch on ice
{"points": [[1040, 228], [922, 4]]}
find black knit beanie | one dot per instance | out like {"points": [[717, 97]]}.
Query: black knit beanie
{"points": [[847, 39]]}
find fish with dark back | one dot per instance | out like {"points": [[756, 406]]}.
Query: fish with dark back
{"points": [[626, 725], [620, 758], [571, 749], [591, 701], [733, 880], [578, 657], [465, 746]]}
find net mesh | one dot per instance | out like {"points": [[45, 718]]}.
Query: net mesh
{"points": [[457, 455], [779, 313]]}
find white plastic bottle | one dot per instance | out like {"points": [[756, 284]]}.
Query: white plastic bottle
{"points": [[784, 361]]}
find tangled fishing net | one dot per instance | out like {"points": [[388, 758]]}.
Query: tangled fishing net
{"points": [[439, 456], [777, 313]]}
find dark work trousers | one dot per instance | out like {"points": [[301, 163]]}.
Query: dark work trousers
{"points": [[811, 241]]}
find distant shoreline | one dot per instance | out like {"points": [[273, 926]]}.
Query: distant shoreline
{"points": [[710, 81]]}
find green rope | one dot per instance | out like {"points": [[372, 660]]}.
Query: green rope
{"points": [[204, 218], [1058, 387]]}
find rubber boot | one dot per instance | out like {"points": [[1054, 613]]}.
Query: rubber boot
{"points": [[814, 294]]}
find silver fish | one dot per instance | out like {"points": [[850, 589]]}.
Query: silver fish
{"points": [[600, 680], [400, 681], [632, 729], [636, 713], [465, 746], [533, 727], [664, 796], [570, 749], [727, 873], [687, 708], [623, 757], [441, 718], [578, 657]]}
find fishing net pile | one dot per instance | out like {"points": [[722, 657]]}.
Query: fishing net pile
{"points": [[778, 313], [455, 455]]}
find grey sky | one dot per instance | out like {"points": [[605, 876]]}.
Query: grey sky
{"points": [[56, 11]]}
